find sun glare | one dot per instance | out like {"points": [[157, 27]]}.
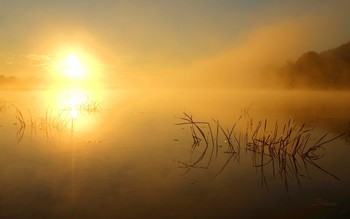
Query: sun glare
{"points": [[73, 67], [76, 68]]}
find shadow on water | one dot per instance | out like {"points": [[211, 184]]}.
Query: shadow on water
{"points": [[287, 149]]}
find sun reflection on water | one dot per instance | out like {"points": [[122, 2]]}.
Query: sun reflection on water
{"points": [[74, 113], [76, 99], [79, 105]]}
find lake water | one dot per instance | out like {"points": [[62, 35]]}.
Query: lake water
{"points": [[118, 154]]}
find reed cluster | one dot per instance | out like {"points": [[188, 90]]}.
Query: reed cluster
{"points": [[284, 146], [90, 106], [21, 122], [52, 124]]}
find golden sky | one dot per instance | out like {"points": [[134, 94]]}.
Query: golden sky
{"points": [[142, 43]]}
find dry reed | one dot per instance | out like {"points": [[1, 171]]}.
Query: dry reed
{"points": [[284, 146]]}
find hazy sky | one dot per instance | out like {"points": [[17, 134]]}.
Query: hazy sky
{"points": [[160, 40]]}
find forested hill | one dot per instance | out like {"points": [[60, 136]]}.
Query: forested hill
{"points": [[328, 69]]}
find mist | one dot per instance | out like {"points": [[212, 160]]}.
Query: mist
{"points": [[174, 109], [259, 59], [200, 46]]}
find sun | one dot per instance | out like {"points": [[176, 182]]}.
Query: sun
{"points": [[73, 67]]}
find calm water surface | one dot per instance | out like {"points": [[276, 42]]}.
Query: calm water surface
{"points": [[119, 154]]}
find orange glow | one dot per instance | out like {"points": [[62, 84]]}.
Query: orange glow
{"points": [[76, 68], [73, 67]]}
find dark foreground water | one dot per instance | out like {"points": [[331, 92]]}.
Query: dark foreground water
{"points": [[119, 154]]}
